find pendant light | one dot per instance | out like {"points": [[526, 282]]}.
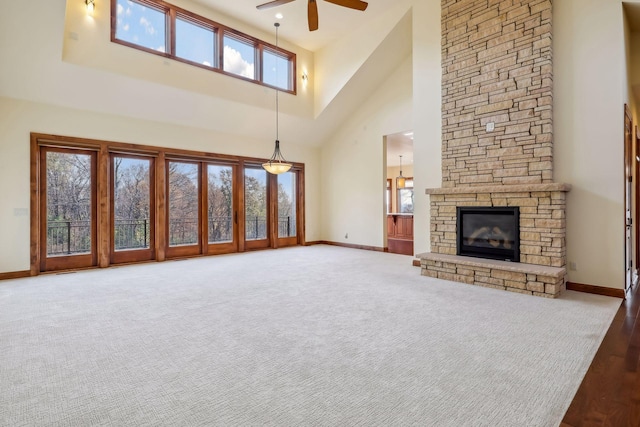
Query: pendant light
{"points": [[400, 180], [277, 164]]}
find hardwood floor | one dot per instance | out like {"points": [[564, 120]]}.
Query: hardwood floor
{"points": [[610, 391]]}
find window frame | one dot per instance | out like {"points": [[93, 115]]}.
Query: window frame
{"points": [[197, 21], [174, 12], [399, 197], [257, 54], [159, 6]]}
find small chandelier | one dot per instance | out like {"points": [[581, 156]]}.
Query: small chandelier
{"points": [[277, 164], [400, 180]]}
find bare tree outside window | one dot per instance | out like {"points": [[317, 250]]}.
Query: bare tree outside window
{"points": [[68, 203], [287, 204], [132, 203], [220, 199], [183, 203], [255, 199]]}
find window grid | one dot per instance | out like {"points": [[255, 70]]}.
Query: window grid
{"points": [[219, 32]]}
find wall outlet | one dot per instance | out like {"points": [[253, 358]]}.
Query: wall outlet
{"points": [[346, 235], [491, 126], [572, 266]]}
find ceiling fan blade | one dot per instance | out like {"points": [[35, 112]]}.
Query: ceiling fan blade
{"points": [[272, 4], [312, 13], [351, 4]]}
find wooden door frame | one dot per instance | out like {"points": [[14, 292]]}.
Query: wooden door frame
{"points": [[636, 161], [293, 240], [628, 201], [133, 255], [198, 247], [268, 241], [223, 247], [46, 263]]}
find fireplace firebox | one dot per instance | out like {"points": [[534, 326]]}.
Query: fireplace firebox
{"points": [[489, 232]]}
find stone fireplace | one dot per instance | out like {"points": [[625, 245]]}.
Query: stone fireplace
{"points": [[497, 146]]}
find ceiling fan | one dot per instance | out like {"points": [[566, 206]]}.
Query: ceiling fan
{"points": [[312, 12]]}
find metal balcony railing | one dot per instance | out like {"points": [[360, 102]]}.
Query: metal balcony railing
{"points": [[73, 237], [68, 237]]}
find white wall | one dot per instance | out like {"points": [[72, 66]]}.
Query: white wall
{"points": [[353, 191], [427, 116], [91, 46], [41, 92], [338, 62], [19, 118], [353, 172], [590, 90]]}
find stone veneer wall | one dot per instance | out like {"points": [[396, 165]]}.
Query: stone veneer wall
{"points": [[497, 67]]}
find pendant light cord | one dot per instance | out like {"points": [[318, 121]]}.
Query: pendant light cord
{"points": [[277, 24]]}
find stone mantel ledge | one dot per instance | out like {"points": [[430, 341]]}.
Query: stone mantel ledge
{"points": [[501, 188], [516, 267]]}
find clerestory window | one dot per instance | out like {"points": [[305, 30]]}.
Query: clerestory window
{"points": [[157, 27]]}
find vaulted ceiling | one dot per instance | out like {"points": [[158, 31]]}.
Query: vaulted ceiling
{"points": [[335, 21]]}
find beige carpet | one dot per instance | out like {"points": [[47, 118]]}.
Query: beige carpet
{"points": [[316, 336]]}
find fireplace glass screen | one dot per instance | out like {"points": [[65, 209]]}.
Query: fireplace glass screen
{"points": [[491, 232]]}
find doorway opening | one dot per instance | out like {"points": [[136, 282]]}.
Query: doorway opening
{"points": [[399, 197]]}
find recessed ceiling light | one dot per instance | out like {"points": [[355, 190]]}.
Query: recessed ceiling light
{"points": [[279, 16]]}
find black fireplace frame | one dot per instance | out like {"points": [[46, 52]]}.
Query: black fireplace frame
{"points": [[488, 253]]}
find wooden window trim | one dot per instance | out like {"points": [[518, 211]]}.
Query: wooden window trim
{"points": [[257, 53], [220, 30], [197, 21], [157, 5]]}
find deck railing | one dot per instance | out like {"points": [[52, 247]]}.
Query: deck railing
{"points": [[72, 237]]}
